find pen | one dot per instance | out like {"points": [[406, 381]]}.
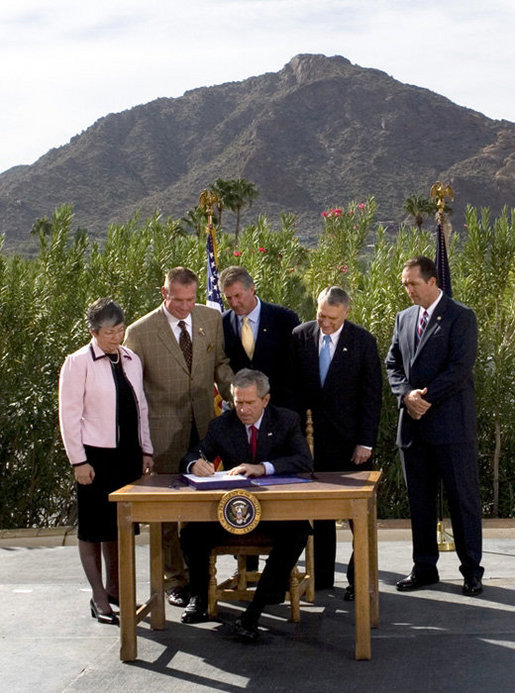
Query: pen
{"points": [[203, 457]]}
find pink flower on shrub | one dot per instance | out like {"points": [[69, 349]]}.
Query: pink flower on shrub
{"points": [[324, 214], [361, 206], [237, 253], [351, 212], [261, 249]]}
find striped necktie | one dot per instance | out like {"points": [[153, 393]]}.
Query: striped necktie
{"points": [[421, 327]]}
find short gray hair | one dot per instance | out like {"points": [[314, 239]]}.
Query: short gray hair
{"points": [[334, 296], [248, 377], [233, 274], [104, 312]]}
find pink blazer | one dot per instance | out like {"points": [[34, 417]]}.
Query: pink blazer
{"points": [[87, 401]]}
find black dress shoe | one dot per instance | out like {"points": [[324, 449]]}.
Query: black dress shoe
{"points": [[416, 582], [195, 612], [245, 630], [348, 595], [111, 618], [178, 596], [113, 600], [472, 586]]}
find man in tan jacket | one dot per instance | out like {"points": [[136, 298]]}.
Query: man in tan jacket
{"points": [[181, 347]]}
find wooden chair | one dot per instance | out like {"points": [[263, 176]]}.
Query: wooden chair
{"points": [[236, 588]]}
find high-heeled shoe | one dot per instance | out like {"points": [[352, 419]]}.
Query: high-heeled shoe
{"points": [[113, 600], [111, 619]]}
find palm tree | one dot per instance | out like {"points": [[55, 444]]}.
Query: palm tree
{"points": [[223, 188], [419, 208], [243, 192], [196, 220]]}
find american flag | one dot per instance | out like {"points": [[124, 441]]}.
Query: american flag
{"points": [[213, 295], [213, 300]]}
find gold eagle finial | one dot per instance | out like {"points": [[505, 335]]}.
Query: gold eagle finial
{"points": [[439, 191], [207, 200]]}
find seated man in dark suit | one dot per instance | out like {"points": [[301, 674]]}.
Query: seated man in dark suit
{"points": [[253, 439]]}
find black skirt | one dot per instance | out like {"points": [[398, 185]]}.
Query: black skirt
{"points": [[114, 468]]}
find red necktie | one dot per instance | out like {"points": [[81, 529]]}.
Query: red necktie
{"points": [[253, 443]]}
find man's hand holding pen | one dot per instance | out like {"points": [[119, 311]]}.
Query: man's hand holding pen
{"points": [[202, 467]]}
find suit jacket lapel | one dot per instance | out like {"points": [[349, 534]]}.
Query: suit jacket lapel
{"points": [[433, 324], [411, 328], [263, 327], [265, 437]]}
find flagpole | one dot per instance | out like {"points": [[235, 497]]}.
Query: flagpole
{"points": [[439, 192], [207, 201]]}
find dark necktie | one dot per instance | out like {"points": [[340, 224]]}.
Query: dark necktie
{"points": [[421, 327], [185, 344], [253, 442]]}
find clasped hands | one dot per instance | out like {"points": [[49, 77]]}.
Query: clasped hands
{"points": [[415, 403], [204, 468]]}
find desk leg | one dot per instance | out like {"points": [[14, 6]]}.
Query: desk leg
{"points": [[127, 576], [157, 594], [374, 575], [362, 575]]}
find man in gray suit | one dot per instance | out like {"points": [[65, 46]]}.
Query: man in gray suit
{"points": [[181, 348], [429, 367]]}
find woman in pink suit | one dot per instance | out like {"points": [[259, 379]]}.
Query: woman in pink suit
{"points": [[104, 425]]}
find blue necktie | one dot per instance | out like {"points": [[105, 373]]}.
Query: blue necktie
{"points": [[324, 358]]}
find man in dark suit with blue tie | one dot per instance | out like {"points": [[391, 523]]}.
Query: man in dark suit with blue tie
{"points": [[258, 334], [429, 368], [338, 376], [253, 439]]}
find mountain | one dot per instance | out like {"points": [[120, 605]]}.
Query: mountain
{"points": [[318, 133]]}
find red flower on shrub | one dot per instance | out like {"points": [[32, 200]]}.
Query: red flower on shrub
{"points": [[237, 253], [261, 249], [361, 205]]}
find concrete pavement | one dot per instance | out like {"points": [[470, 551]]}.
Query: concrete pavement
{"points": [[431, 640]]}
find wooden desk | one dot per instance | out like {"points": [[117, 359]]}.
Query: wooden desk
{"points": [[332, 495]]}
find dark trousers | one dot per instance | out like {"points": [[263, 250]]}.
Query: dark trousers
{"points": [[456, 465], [288, 540], [325, 530]]}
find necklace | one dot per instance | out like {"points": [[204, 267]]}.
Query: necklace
{"points": [[112, 361]]}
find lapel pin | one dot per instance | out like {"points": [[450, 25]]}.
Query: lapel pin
{"points": [[270, 434], [438, 317], [344, 349], [201, 331]]}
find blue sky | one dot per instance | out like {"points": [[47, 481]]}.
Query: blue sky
{"points": [[66, 64]]}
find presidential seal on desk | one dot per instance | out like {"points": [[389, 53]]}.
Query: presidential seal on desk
{"points": [[239, 511]]}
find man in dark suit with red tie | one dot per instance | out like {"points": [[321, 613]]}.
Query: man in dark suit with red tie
{"points": [[337, 372], [253, 439], [429, 367]]}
